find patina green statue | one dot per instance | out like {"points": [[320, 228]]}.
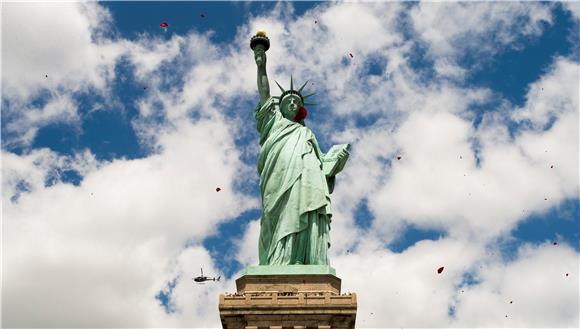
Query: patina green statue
{"points": [[296, 178]]}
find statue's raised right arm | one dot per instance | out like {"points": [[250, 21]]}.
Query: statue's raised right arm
{"points": [[260, 44], [263, 85]]}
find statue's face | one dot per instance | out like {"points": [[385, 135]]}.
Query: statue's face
{"points": [[289, 106]]}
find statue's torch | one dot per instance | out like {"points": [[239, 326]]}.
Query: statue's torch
{"points": [[260, 39], [260, 44]]}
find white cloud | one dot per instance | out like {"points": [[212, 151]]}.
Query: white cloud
{"points": [[149, 52], [195, 305], [104, 249], [247, 246], [53, 39], [573, 7], [416, 295], [212, 77], [40, 167], [438, 183], [551, 96], [110, 244], [451, 30], [536, 284], [24, 123], [50, 51]]}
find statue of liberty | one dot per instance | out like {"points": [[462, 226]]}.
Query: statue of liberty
{"points": [[296, 178]]}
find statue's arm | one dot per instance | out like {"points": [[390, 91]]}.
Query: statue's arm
{"points": [[263, 84]]}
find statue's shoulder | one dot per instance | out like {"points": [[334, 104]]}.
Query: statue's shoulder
{"points": [[268, 103], [266, 109], [268, 106]]}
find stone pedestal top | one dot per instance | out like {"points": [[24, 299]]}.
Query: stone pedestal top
{"points": [[289, 279]]}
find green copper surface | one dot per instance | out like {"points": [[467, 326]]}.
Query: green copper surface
{"points": [[296, 178], [289, 270]]}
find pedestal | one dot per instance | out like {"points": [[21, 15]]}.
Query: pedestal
{"points": [[288, 297]]}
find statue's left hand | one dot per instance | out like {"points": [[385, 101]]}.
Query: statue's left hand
{"points": [[343, 155]]}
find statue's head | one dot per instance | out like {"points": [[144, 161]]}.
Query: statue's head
{"points": [[289, 106], [292, 103]]}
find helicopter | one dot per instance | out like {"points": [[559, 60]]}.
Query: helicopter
{"points": [[202, 278]]}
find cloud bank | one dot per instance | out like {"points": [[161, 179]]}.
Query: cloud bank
{"points": [[97, 253]]}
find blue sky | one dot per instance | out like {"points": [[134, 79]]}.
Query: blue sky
{"points": [[115, 134]]}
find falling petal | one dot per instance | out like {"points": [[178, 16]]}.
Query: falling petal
{"points": [[315, 22], [217, 189], [202, 15], [566, 274], [301, 114], [351, 56], [439, 270], [552, 166], [555, 243], [164, 24], [511, 301], [399, 157], [545, 199]]}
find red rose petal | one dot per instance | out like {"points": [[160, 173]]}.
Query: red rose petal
{"points": [[439, 270], [399, 157], [350, 54], [217, 189], [301, 114]]}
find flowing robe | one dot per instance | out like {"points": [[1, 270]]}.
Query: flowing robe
{"points": [[295, 192]]}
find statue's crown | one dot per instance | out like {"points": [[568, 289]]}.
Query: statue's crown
{"points": [[291, 91]]}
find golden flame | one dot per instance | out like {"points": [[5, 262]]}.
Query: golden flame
{"points": [[261, 33]]}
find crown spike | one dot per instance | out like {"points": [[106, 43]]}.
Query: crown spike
{"points": [[310, 104], [291, 83], [304, 85], [309, 95], [282, 89]]}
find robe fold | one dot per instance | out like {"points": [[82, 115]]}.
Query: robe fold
{"points": [[296, 209]]}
